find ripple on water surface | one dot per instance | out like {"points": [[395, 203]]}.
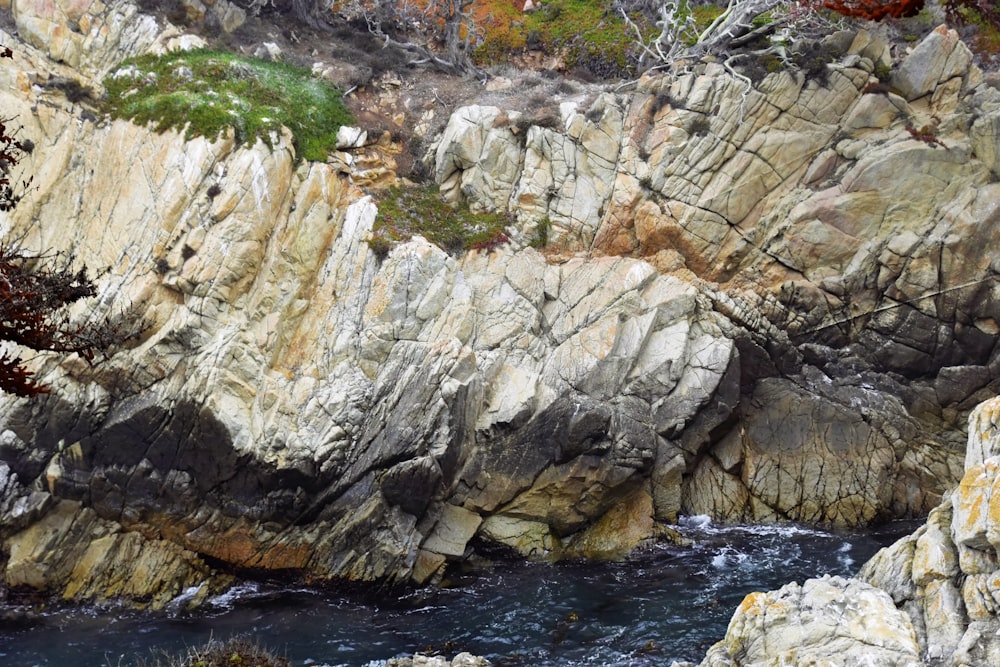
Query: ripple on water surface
{"points": [[665, 603]]}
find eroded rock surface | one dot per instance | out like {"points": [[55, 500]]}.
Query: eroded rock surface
{"points": [[930, 599], [777, 307], [828, 621], [851, 257]]}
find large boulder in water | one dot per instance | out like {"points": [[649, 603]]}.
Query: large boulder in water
{"points": [[831, 621]]}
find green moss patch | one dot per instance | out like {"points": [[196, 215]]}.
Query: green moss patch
{"points": [[407, 212], [207, 92]]}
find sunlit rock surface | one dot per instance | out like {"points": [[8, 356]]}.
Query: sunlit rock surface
{"points": [[762, 304], [828, 621]]}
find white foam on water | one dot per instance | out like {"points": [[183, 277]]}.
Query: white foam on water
{"points": [[696, 521], [178, 604], [844, 555], [229, 598]]}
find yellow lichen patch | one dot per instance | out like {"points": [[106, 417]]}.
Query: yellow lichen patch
{"points": [[973, 511], [753, 603]]}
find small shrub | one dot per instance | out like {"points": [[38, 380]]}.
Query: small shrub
{"points": [[548, 120], [813, 61], [381, 243], [521, 126], [207, 92], [405, 212], [756, 68], [594, 114], [545, 118], [927, 134], [236, 652], [491, 244], [661, 100], [543, 228], [539, 99], [882, 71], [565, 88], [877, 87]]}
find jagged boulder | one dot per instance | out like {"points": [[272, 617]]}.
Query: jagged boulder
{"points": [[943, 575], [829, 621], [90, 37], [933, 64], [797, 457], [81, 557]]}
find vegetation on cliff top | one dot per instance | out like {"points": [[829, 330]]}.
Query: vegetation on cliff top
{"points": [[616, 37], [206, 92], [588, 35]]}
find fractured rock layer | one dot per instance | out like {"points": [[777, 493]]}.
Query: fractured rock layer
{"points": [[733, 320]]}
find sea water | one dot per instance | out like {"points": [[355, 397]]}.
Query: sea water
{"points": [[664, 603]]}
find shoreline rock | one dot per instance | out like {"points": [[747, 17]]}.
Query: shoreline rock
{"points": [[927, 600], [460, 660]]}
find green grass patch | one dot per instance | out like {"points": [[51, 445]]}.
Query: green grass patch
{"points": [[407, 212], [208, 92]]}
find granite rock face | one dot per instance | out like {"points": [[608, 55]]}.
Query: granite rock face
{"points": [[851, 256], [930, 599], [90, 36], [298, 405], [705, 318], [944, 575], [828, 621]]}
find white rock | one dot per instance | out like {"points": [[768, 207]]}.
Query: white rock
{"points": [[351, 137]]}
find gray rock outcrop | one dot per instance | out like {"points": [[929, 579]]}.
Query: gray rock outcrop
{"points": [[733, 319]]}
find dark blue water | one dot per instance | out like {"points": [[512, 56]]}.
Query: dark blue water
{"points": [[665, 603]]}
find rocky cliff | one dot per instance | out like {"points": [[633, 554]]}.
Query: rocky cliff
{"points": [[762, 301], [928, 600]]}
